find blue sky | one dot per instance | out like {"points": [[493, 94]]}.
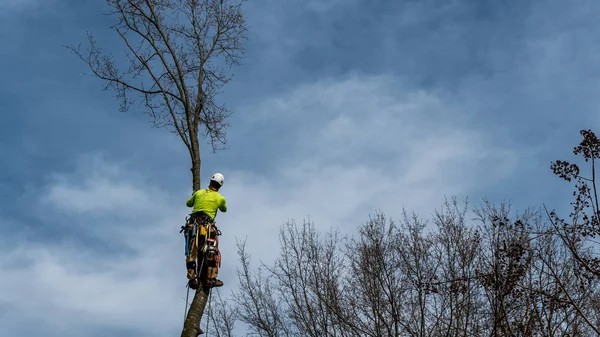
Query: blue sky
{"points": [[342, 107]]}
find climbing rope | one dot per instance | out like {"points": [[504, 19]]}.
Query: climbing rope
{"points": [[199, 270], [208, 312], [188, 292], [186, 303]]}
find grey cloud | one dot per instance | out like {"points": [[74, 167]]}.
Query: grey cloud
{"points": [[358, 146], [77, 288]]}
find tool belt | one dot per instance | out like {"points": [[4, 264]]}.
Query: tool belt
{"points": [[200, 218], [200, 226]]}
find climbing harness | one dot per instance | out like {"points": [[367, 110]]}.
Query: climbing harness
{"points": [[198, 227]]}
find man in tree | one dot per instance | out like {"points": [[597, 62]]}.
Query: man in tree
{"points": [[176, 62], [201, 225]]}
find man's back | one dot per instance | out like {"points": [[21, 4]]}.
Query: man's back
{"points": [[208, 201]]}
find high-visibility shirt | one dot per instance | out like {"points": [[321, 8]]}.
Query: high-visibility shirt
{"points": [[208, 201]]}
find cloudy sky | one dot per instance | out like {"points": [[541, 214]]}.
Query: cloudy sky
{"points": [[342, 108]]}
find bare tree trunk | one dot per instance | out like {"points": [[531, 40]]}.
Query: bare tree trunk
{"points": [[191, 327], [196, 162]]}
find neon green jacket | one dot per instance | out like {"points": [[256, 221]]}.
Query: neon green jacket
{"points": [[208, 201]]}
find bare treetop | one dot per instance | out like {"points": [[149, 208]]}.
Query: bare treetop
{"points": [[177, 52]]}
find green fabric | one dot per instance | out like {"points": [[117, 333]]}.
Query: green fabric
{"points": [[208, 201]]}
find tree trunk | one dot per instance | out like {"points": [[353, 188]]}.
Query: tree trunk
{"points": [[195, 156], [191, 327]]}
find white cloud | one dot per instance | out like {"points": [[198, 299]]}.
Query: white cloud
{"points": [[84, 198], [100, 187], [360, 144], [65, 289], [68, 288]]}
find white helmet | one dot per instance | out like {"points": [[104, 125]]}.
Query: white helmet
{"points": [[218, 178]]}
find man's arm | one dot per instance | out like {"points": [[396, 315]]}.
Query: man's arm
{"points": [[190, 201], [223, 206]]}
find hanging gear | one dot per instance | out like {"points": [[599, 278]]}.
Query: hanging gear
{"points": [[201, 244], [212, 256]]}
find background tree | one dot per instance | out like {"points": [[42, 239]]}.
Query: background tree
{"points": [[497, 274], [257, 303], [503, 266], [457, 248], [176, 55], [580, 233], [221, 317]]}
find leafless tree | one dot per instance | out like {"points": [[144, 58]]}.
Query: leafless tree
{"points": [[580, 232], [459, 296], [416, 253], [259, 307], [555, 286], [503, 266], [221, 316], [176, 56], [496, 274], [307, 272], [376, 286]]}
